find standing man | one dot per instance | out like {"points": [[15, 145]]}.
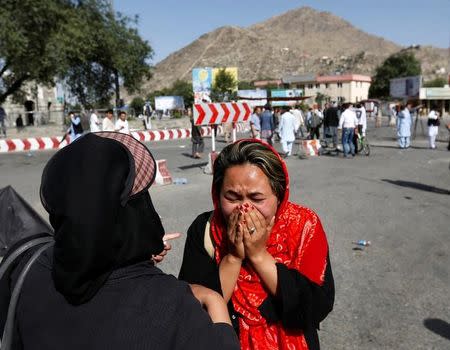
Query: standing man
{"points": [[348, 123], [315, 122], [122, 123], [404, 122], [300, 121], [94, 123], [362, 124], [287, 128], [108, 124], [2, 121], [332, 120], [267, 126], [75, 129], [255, 123]]}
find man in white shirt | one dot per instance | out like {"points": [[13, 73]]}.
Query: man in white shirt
{"points": [[108, 124], [94, 123], [287, 129], [348, 122], [122, 123], [299, 117]]}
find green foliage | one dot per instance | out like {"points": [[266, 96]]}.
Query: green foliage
{"points": [[184, 89], [178, 88], [438, 82], [224, 87], [398, 65], [137, 104], [246, 85], [321, 98], [81, 42]]}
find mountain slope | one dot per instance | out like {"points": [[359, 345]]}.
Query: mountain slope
{"points": [[299, 41]]}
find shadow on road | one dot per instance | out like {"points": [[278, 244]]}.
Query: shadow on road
{"points": [[417, 186], [438, 326], [192, 166]]}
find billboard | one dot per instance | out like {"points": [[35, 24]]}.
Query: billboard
{"points": [[163, 103], [202, 80], [257, 97], [405, 87], [285, 93]]}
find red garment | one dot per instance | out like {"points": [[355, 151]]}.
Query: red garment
{"points": [[298, 241]]}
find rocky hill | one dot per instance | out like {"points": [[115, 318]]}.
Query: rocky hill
{"points": [[298, 41]]}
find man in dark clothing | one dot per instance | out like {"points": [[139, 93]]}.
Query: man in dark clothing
{"points": [[2, 121], [331, 120]]}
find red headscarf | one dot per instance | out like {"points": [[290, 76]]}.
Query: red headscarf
{"points": [[298, 241]]}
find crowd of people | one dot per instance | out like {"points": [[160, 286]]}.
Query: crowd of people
{"points": [[287, 124], [76, 130]]}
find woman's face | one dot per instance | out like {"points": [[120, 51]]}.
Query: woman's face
{"points": [[247, 183]]}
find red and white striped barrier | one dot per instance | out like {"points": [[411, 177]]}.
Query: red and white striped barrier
{"points": [[46, 143], [218, 113], [311, 147], [163, 176]]}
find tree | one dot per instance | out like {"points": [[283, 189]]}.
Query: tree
{"points": [[82, 42], [438, 82], [398, 65], [184, 89], [224, 86], [137, 104]]}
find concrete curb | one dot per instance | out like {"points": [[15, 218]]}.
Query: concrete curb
{"points": [[46, 143]]}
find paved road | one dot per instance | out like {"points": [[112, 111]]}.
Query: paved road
{"points": [[391, 295]]}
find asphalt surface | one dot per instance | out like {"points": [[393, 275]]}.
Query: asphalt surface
{"points": [[393, 294]]}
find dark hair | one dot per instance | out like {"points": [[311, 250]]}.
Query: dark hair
{"points": [[249, 152], [109, 111], [122, 112]]}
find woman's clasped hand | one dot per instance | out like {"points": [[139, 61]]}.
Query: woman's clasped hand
{"points": [[247, 232]]}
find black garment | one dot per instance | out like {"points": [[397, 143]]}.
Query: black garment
{"points": [[355, 138], [138, 307], [300, 304], [77, 128], [315, 133], [100, 225], [198, 144], [331, 117]]}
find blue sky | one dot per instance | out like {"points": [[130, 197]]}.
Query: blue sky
{"points": [[169, 25]]}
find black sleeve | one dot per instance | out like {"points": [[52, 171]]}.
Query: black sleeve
{"points": [[299, 303], [197, 266], [195, 329]]}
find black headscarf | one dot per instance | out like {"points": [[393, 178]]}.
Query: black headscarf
{"points": [[96, 192]]}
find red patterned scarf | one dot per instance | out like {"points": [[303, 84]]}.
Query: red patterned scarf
{"points": [[298, 241]]}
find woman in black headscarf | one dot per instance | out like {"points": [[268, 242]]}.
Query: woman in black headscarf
{"points": [[97, 287]]}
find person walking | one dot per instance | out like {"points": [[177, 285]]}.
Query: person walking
{"points": [[404, 122], [267, 125], [2, 121], [288, 127], [196, 137], [433, 127], [255, 123], [348, 123], [75, 129]]}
